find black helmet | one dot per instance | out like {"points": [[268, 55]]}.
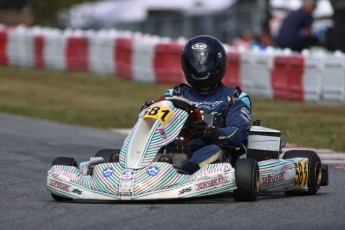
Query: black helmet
{"points": [[203, 61]]}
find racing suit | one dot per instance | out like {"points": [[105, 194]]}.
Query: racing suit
{"points": [[230, 111]]}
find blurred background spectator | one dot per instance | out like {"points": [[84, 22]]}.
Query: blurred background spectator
{"points": [[261, 41], [296, 29]]}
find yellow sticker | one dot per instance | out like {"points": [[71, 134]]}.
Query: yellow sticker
{"points": [[161, 113], [301, 174]]}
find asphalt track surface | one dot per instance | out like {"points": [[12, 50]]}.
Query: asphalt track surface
{"points": [[28, 146]]}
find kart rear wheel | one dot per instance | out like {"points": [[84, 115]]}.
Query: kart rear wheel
{"points": [[68, 161], [314, 170], [247, 180], [109, 155]]}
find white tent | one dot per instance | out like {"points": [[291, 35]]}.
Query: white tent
{"points": [[108, 13]]}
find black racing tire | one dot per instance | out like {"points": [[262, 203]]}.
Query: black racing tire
{"points": [[247, 180], [109, 155], [314, 170], [68, 161]]}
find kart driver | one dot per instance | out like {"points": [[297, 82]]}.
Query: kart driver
{"points": [[226, 110]]}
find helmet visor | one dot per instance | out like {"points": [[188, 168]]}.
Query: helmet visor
{"points": [[202, 63]]}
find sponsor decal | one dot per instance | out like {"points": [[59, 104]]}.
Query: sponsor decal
{"points": [[77, 191], [108, 171], [245, 114], [63, 175], [127, 175], [271, 179], [185, 190], [245, 118], [125, 193], [125, 189], [280, 170], [162, 133], [245, 111], [59, 185], [211, 183], [199, 46], [209, 173], [276, 174], [152, 170], [210, 105]]}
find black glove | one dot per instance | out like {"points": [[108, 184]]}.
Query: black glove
{"points": [[146, 104], [201, 129]]}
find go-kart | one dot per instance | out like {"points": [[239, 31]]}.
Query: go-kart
{"points": [[143, 170]]}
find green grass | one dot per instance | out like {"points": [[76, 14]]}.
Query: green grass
{"points": [[74, 97], [110, 102]]}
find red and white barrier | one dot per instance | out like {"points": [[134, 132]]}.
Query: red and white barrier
{"points": [[271, 73], [312, 78], [167, 62], [233, 67], [20, 47], [76, 51], [54, 49], [3, 45], [124, 56], [39, 44], [287, 77], [143, 58], [256, 68], [333, 81], [102, 51]]}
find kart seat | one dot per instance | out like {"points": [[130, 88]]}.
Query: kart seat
{"points": [[179, 159]]}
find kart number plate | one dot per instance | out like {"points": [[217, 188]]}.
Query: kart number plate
{"points": [[301, 174], [161, 113]]}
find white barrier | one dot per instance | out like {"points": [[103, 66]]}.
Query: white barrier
{"points": [[102, 51], [333, 80], [54, 49], [138, 57], [143, 54], [20, 47], [255, 72], [312, 78]]}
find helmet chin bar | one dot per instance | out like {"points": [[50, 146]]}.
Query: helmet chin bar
{"points": [[206, 76], [203, 84], [200, 82]]}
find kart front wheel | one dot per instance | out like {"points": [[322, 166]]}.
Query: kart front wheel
{"points": [[67, 161], [109, 155], [314, 170], [247, 180]]}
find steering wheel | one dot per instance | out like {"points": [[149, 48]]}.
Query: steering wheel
{"points": [[192, 110]]}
